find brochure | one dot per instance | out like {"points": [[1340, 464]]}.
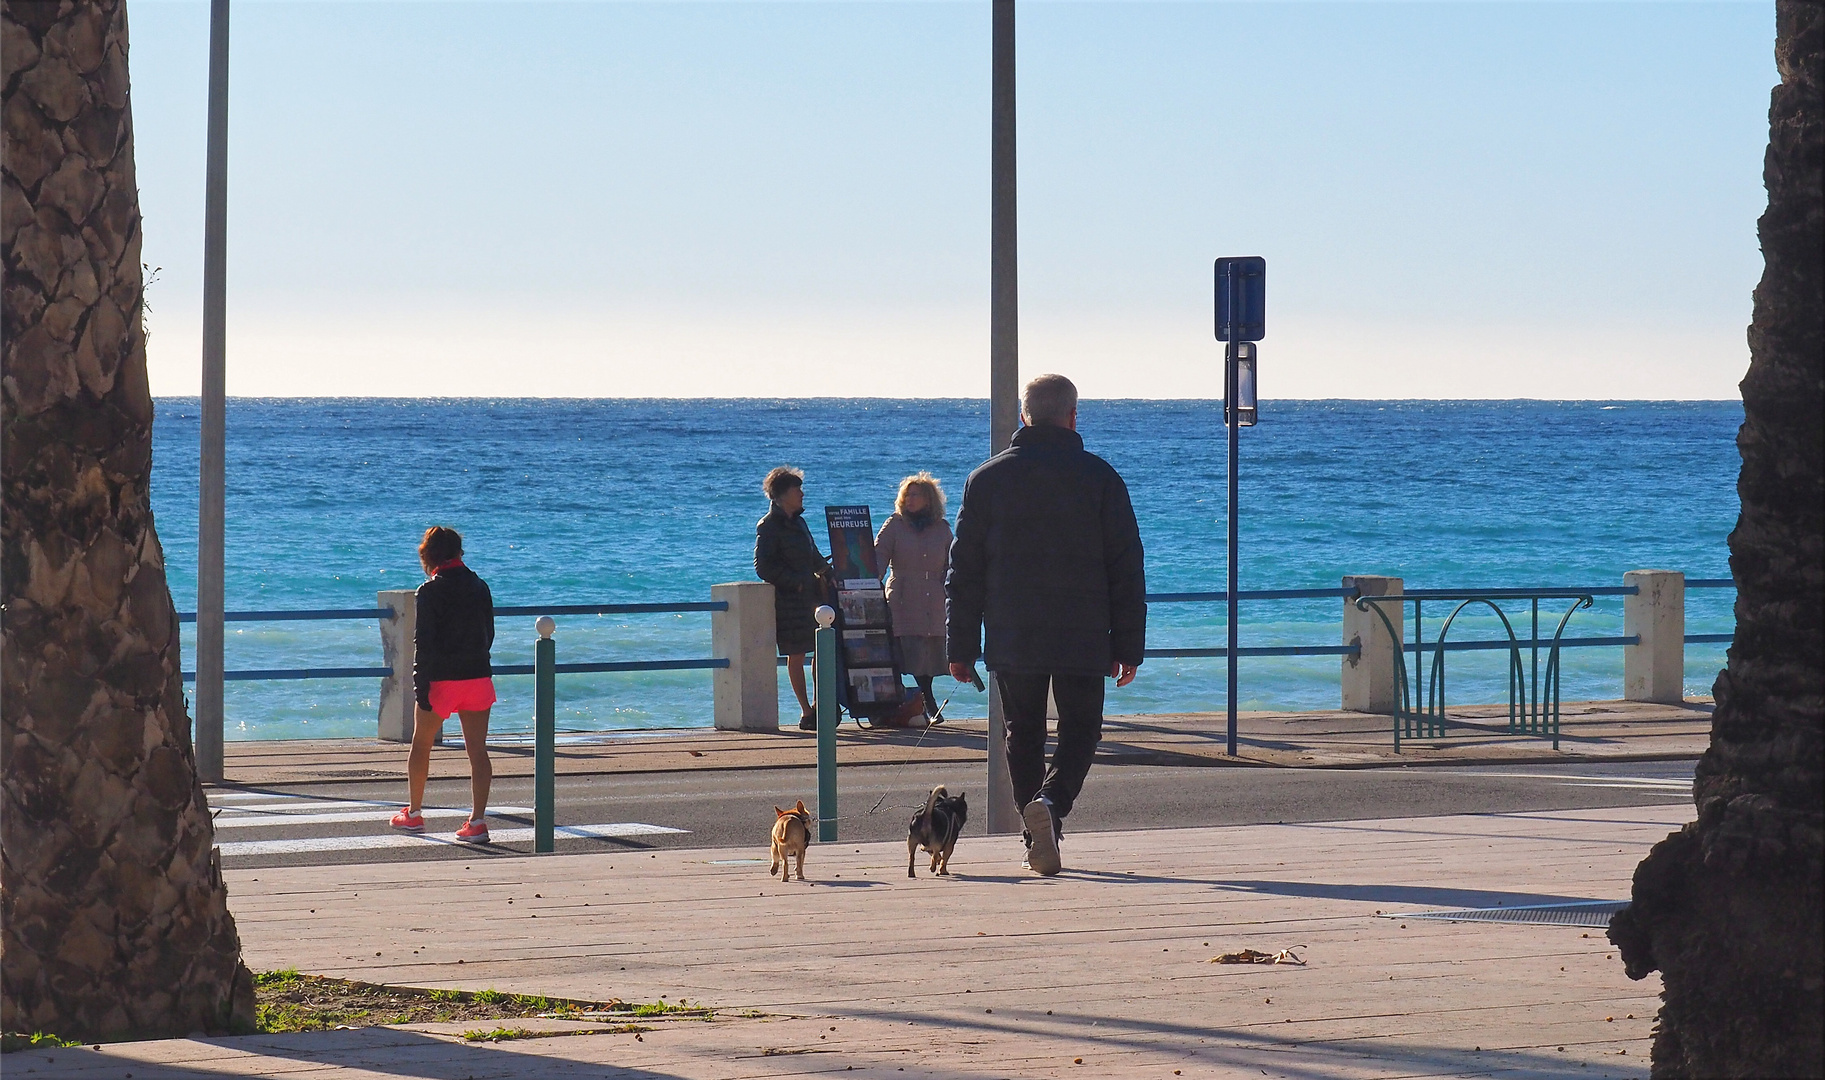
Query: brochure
{"points": [[863, 608], [870, 686], [867, 648], [852, 546]]}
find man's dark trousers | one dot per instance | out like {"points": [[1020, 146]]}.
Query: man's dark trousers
{"points": [[1080, 728]]}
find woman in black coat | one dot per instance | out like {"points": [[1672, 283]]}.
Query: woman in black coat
{"points": [[787, 558]]}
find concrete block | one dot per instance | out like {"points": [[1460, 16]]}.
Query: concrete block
{"points": [[747, 691], [1369, 678], [1655, 669], [398, 705]]}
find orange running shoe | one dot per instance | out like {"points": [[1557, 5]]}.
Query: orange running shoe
{"points": [[409, 820], [475, 832]]}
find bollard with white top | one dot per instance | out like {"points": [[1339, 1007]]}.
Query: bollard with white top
{"points": [[826, 673], [544, 737]]}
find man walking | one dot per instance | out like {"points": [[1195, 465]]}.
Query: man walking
{"points": [[1048, 559]]}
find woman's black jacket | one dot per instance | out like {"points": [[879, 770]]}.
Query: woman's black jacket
{"points": [[455, 630], [786, 557]]}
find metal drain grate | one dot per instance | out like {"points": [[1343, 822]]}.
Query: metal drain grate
{"points": [[1593, 913]]}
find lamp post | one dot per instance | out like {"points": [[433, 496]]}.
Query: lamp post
{"points": [[1241, 296]]}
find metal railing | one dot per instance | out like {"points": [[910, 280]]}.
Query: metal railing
{"points": [[320, 614], [1533, 708], [1418, 596], [1254, 594]]}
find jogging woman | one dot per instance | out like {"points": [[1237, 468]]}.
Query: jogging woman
{"points": [[451, 674]]}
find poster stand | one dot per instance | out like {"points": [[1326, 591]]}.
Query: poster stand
{"points": [[869, 674]]}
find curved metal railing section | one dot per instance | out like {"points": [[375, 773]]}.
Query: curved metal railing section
{"points": [[1533, 694]]}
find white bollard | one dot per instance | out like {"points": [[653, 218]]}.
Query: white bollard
{"points": [[1369, 677], [398, 705], [1655, 669], [747, 691]]}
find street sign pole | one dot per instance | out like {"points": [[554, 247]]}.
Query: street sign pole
{"points": [[1232, 416], [1241, 302]]}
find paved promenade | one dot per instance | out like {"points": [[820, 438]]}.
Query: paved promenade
{"points": [[1591, 731], [1103, 971]]}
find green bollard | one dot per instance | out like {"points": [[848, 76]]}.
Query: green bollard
{"points": [[826, 724], [544, 738]]}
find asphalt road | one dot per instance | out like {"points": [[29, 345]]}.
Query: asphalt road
{"points": [[335, 823]]}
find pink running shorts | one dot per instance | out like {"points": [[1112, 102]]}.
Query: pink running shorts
{"points": [[461, 695]]}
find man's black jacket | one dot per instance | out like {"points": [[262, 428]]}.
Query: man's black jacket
{"points": [[455, 630], [1048, 558]]}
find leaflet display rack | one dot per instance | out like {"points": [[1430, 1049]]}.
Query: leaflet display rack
{"points": [[871, 679]]}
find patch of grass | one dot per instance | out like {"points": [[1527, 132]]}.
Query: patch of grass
{"points": [[288, 1001], [503, 1034], [499, 1034], [37, 1040], [662, 1008]]}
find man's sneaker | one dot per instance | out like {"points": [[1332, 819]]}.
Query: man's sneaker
{"points": [[1042, 853], [409, 820], [476, 832]]}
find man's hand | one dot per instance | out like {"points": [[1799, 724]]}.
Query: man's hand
{"points": [[966, 673], [1123, 674]]}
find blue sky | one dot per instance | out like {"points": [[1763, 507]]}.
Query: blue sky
{"points": [[1532, 199]]}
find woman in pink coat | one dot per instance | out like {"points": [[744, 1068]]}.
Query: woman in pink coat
{"points": [[913, 551]]}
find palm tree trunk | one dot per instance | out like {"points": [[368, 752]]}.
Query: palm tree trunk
{"points": [[114, 919], [1728, 908]]}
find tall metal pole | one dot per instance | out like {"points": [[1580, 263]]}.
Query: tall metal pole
{"points": [[1004, 349], [825, 660], [545, 737], [211, 485], [1232, 415], [1004, 263]]}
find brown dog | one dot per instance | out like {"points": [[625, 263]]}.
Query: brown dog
{"points": [[791, 836]]}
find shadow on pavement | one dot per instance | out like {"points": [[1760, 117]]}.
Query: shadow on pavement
{"points": [[383, 1051], [1403, 894], [1250, 1052]]}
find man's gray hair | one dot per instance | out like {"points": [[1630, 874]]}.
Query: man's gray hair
{"points": [[1049, 399]]}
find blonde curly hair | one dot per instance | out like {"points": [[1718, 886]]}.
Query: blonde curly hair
{"points": [[934, 494]]}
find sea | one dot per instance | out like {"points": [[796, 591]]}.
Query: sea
{"points": [[610, 501]]}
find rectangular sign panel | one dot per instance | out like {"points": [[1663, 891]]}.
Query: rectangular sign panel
{"points": [[852, 546], [1249, 321]]}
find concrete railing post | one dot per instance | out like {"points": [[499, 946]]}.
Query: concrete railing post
{"points": [[397, 705], [747, 691], [1655, 669], [1369, 677]]}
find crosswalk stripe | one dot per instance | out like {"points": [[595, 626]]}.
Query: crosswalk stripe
{"points": [[271, 821], [243, 848], [304, 805]]}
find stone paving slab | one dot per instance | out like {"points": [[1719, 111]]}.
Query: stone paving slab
{"points": [[1591, 731], [991, 973]]}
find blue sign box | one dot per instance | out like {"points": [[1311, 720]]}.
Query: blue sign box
{"points": [[1250, 319]]}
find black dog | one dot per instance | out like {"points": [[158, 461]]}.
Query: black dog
{"points": [[936, 829]]}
